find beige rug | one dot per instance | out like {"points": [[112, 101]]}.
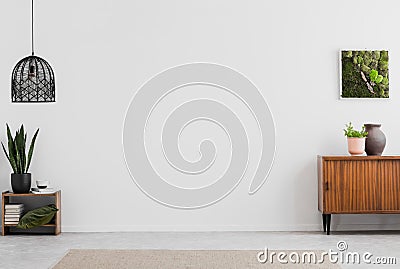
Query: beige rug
{"points": [[176, 259]]}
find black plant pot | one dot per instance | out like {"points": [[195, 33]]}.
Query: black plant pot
{"points": [[21, 183]]}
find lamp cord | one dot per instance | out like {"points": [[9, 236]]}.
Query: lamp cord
{"points": [[33, 53]]}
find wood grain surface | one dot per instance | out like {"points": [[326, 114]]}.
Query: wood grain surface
{"points": [[360, 184]]}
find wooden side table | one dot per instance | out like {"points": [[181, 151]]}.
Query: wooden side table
{"points": [[7, 198], [358, 185]]}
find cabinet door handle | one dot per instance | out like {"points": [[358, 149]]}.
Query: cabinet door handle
{"points": [[327, 185]]}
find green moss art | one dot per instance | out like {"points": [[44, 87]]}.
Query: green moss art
{"points": [[365, 74]]}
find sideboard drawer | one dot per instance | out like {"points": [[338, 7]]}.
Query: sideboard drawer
{"points": [[350, 186]]}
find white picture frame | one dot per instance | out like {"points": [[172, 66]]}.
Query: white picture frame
{"points": [[366, 76]]}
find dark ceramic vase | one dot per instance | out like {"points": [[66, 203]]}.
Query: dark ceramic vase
{"points": [[376, 140], [21, 183]]}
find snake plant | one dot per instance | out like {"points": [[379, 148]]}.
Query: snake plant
{"points": [[16, 154]]}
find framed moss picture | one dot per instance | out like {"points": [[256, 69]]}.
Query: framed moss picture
{"points": [[364, 74]]}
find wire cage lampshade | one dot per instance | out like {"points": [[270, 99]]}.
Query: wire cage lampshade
{"points": [[33, 81], [32, 78]]}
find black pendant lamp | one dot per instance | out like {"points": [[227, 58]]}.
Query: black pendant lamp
{"points": [[33, 79]]}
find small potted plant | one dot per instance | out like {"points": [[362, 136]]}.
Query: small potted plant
{"points": [[355, 139], [19, 160]]}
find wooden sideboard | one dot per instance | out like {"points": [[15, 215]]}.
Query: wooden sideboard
{"points": [[358, 185], [8, 197]]}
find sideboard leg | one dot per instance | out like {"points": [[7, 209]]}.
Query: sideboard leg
{"points": [[328, 224], [324, 221]]}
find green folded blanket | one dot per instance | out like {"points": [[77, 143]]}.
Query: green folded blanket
{"points": [[37, 217]]}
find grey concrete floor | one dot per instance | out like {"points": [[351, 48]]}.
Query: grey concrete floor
{"points": [[43, 251]]}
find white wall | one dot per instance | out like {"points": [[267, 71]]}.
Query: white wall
{"points": [[103, 51]]}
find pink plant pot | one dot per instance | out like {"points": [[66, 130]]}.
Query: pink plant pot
{"points": [[356, 145]]}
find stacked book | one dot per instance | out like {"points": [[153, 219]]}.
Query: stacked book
{"points": [[43, 191], [12, 213]]}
